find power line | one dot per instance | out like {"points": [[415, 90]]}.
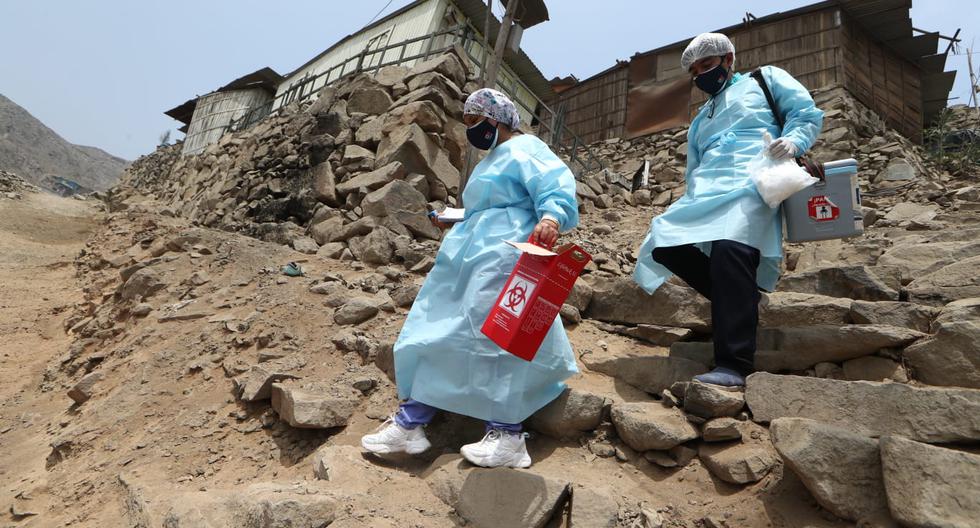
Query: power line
{"points": [[378, 13]]}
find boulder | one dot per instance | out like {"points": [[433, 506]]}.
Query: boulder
{"points": [[930, 486], [874, 368], [802, 309], [487, 498], [893, 313], [305, 245], [712, 401], [370, 181], [652, 374], [369, 134], [737, 463], [256, 384], [841, 469], [327, 231], [592, 509], [799, 348], [956, 281], [418, 153], [951, 357], [262, 505], [905, 211], [425, 114], [918, 259], [569, 415], [721, 430], [356, 156], [356, 311], [580, 296], [853, 282], [312, 408], [142, 284], [377, 247], [82, 391], [446, 64], [620, 300], [650, 425], [324, 184], [868, 408], [654, 334], [403, 203], [339, 463], [371, 101]]}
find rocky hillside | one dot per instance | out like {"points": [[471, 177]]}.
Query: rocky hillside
{"points": [[204, 387], [37, 153]]}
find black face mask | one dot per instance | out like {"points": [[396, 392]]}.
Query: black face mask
{"points": [[482, 135], [713, 80]]}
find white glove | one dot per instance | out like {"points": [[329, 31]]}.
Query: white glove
{"points": [[781, 148]]}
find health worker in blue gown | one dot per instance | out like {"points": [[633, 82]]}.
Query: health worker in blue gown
{"points": [[442, 359], [721, 237]]}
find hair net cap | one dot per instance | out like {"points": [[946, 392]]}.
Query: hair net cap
{"points": [[706, 45], [488, 102]]}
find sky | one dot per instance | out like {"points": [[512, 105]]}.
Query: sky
{"points": [[102, 72]]}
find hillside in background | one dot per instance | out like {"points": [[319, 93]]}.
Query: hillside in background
{"points": [[33, 151]]}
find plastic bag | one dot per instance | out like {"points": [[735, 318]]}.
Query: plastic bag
{"points": [[777, 180]]}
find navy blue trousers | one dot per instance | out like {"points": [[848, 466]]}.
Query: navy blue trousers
{"points": [[727, 279]]}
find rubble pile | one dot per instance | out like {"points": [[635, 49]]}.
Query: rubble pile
{"points": [[13, 187]]}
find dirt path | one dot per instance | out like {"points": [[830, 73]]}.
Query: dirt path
{"points": [[39, 237]]}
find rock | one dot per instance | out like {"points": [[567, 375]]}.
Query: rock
{"points": [[660, 458], [312, 409], [828, 370], [356, 311], [873, 368], [930, 486], [401, 202], [369, 134], [853, 282], [662, 199], [339, 463], [256, 384], [370, 181], [899, 170], [142, 284], [580, 296], [654, 334], [721, 430], [85, 388], [371, 101], [326, 231], [893, 313], [357, 156], [651, 374], [905, 211], [419, 154], [446, 64], [141, 310], [799, 348], [404, 296], [642, 197], [620, 300], [591, 509], [737, 463], [570, 314], [425, 114], [569, 415], [331, 250], [916, 260], [324, 184], [868, 408], [305, 245], [956, 281], [951, 357], [841, 469], [645, 426], [377, 247], [802, 309], [711, 401], [495, 497]]}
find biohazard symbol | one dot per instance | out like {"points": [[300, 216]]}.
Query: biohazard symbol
{"points": [[516, 297]]}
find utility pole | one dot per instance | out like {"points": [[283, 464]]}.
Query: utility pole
{"points": [[501, 45]]}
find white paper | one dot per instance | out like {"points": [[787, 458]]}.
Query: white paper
{"points": [[450, 215], [532, 249]]}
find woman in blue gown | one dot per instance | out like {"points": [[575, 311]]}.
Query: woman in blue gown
{"points": [[442, 359]]}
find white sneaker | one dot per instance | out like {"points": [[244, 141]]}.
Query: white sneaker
{"points": [[393, 438], [498, 449]]}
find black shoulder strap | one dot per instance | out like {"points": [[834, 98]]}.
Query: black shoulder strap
{"points": [[757, 75]]}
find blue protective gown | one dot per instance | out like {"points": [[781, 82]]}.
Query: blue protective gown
{"points": [[441, 357], [721, 201]]}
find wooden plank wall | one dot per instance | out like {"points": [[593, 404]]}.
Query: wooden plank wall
{"points": [[595, 109], [886, 83]]}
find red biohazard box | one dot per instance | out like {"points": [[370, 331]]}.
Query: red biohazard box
{"points": [[532, 297]]}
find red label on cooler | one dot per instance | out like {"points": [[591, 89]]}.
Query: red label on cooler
{"points": [[822, 209]]}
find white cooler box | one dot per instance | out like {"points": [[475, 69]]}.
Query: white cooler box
{"points": [[827, 209]]}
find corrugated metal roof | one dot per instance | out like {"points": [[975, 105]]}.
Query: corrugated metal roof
{"points": [[265, 78]]}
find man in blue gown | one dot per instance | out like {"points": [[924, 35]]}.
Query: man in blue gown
{"points": [[721, 237]]}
